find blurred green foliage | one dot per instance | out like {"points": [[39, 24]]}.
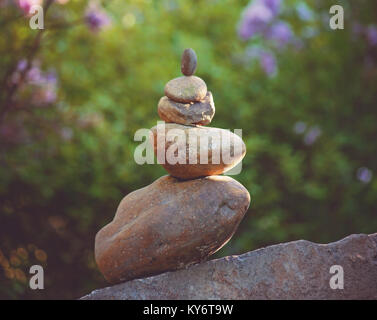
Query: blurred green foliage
{"points": [[63, 179]]}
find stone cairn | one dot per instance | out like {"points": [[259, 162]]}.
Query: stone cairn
{"points": [[185, 217]]}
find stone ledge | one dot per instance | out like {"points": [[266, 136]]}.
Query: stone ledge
{"points": [[293, 270]]}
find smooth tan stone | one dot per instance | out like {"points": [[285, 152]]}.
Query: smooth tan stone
{"points": [[177, 143], [200, 112], [168, 225], [186, 89]]}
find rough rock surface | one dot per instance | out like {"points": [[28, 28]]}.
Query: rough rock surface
{"points": [[293, 270], [223, 148], [200, 112], [168, 225], [186, 89]]}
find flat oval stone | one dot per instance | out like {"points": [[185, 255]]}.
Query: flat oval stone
{"points": [[168, 225], [186, 89], [200, 112], [188, 62], [183, 150]]}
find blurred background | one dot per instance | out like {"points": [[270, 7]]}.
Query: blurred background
{"points": [[73, 95]]}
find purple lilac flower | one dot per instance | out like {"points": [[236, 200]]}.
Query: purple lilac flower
{"points": [[371, 33], [49, 94], [273, 5], [299, 127], [304, 12], [44, 83], [313, 134], [255, 19], [48, 88], [51, 78], [96, 18], [268, 62], [281, 33], [35, 76], [266, 59], [364, 175], [22, 64]]}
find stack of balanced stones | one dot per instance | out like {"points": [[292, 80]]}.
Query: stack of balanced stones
{"points": [[182, 218]]}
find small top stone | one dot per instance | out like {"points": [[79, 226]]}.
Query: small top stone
{"points": [[188, 62]]}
